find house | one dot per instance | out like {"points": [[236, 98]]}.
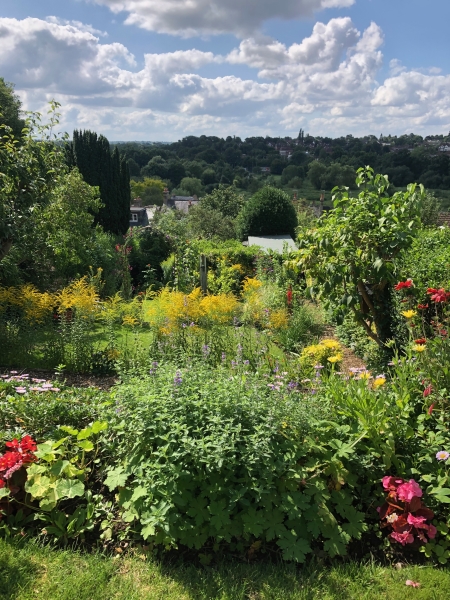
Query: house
{"points": [[265, 169], [182, 203], [142, 216]]}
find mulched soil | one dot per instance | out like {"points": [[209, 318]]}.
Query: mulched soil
{"points": [[350, 361], [101, 382]]}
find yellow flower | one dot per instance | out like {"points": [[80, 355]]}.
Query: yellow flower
{"points": [[365, 375], [335, 358], [379, 382], [419, 347], [409, 314], [129, 320]]}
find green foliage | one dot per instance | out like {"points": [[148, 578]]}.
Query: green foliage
{"points": [[431, 207], [61, 232], [201, 458], [352, 254], [291, 172], [327, 177], [150, 191], [10, 110], [191, 185], [226, 200], [109, 172], [149, 249], [29, 165], [268, 212], [210, 223], [55, 486], [427, 261]]}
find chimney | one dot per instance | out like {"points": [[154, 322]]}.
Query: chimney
{"points": [[166, 196]]}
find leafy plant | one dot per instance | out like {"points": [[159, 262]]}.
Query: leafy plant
{"points": [[351, 255]]}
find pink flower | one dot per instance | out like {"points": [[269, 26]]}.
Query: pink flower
{"points": [[412, 583], [417, 521], [430, 410], [403, 538], [408, 491], [391, 482]]}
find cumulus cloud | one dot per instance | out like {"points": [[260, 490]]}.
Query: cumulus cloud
{"points": [[326, 83], [197, 17], [78, 25]]}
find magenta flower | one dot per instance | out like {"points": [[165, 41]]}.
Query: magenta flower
{"points": [[403, 538], [409, 490], [391, 482], [418, 522]]}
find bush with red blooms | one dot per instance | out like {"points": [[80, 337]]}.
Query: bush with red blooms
{"points": [[401, 285], [405, 512], [19, 454]]}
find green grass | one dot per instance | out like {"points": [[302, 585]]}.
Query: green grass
{"points": [[35, 572]]}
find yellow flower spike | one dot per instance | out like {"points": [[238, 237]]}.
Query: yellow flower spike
{"points": [[419, 347], [409, 314], [130, 321]]}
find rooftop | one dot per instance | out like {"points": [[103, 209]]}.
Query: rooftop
{"points": [[272, 242]]}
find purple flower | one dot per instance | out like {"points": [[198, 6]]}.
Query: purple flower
{"points": [[246, 362], [224, 356], [205, 350], [178, 379], [292, 385]]}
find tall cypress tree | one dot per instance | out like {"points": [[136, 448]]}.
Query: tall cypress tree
{"points": [[92, 155]]}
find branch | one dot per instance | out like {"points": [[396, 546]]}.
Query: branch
{"points": [[362, 290], [369, 331]]}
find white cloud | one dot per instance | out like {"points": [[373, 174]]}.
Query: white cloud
{"points": [[77, 25], [326, 83], [188, 18]]}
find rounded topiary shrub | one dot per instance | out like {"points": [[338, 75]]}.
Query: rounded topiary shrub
{"points": [[268, 212]]}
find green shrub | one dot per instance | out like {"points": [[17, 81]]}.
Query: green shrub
{"points": [[200, 458], [427, 262], [268, 212]]}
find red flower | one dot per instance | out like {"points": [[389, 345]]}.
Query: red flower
{"points": [[439, 295], [420, 341], [427, 391], [422, 306], [403, 285], [289, 296], [430, 410]]}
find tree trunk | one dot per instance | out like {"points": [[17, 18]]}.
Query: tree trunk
{"points": [[5, 247]]}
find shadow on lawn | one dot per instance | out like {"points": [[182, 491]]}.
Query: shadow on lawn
{"points": [[238, 581], [16, 572]]}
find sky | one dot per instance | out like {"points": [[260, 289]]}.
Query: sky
{"points": [[161, 70]]}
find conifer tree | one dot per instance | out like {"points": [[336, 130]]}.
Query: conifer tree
{"points": [[92, 155]]}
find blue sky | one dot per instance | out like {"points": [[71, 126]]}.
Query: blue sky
{"points": [[163, 69]]}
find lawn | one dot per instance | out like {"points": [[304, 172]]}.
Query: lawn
{"points": [[33, 571]]}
